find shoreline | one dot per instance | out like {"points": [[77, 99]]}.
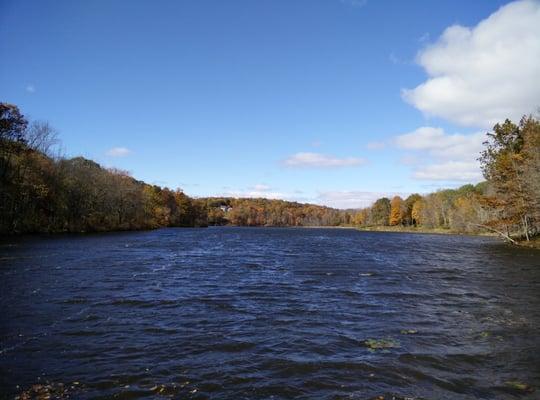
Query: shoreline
{"points": [[532, 244], [432, 231]]}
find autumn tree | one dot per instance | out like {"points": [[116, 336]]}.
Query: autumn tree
{"points": [[397, 211], [12, 129], [42, 137], [417, 211], [510, 164], [360, 217], [531, 170], [380, 212], [12, 124], [409, 204]]}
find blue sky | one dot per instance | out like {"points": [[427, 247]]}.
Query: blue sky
{"points": [[307, 100]]}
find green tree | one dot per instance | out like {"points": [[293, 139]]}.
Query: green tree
{"points": [[380, 212]]}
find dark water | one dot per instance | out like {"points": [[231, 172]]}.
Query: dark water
{"points": [[239, 313]]}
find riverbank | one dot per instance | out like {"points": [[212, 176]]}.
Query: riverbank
{"points": [[533, 243], [411, 229]]}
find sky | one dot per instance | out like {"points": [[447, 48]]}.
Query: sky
{"points": [[334, 102]]}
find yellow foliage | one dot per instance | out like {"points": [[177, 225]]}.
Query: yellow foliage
{"points": [[397, 211], [417, 210]]}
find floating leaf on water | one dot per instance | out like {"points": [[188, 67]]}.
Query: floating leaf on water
{"points": [[409, 331], [379, 344], [485, 334], [517, 385]]}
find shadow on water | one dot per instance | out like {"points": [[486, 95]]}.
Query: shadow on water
{"points": [[268, 313]]}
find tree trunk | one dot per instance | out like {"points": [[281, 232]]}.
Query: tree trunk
{"points": [[504, 235], [526, 227]]}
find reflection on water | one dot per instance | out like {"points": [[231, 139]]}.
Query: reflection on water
{"points": [[270, 313]]}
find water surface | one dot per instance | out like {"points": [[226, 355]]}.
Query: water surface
{"points": [[268, 313]]}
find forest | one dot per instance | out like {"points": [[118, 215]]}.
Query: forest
{"points": [[44, 192], [506, 203]]}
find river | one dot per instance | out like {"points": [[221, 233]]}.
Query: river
{"points": [[269, 313]]}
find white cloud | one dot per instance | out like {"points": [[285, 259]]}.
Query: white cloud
{"points": [[466, 171], [439, 144], [352, 199], [448, 157], [261, 190], [481, 75], [118, 152], [335, 199], [30, 88], [317, 160]]}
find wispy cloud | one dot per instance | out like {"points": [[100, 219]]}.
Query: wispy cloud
{"points": [[118, 152], [441, 156], [30, 88], [260, 187], [466, 171], [318, 160], [396, 60], [352, 198], [262, 192]]}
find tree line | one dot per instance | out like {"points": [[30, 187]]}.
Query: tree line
{"points": [[266, 212], [44, 192], [507, 202]]}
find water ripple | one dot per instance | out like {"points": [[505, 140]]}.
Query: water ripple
{"points": [[270, 313]]}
